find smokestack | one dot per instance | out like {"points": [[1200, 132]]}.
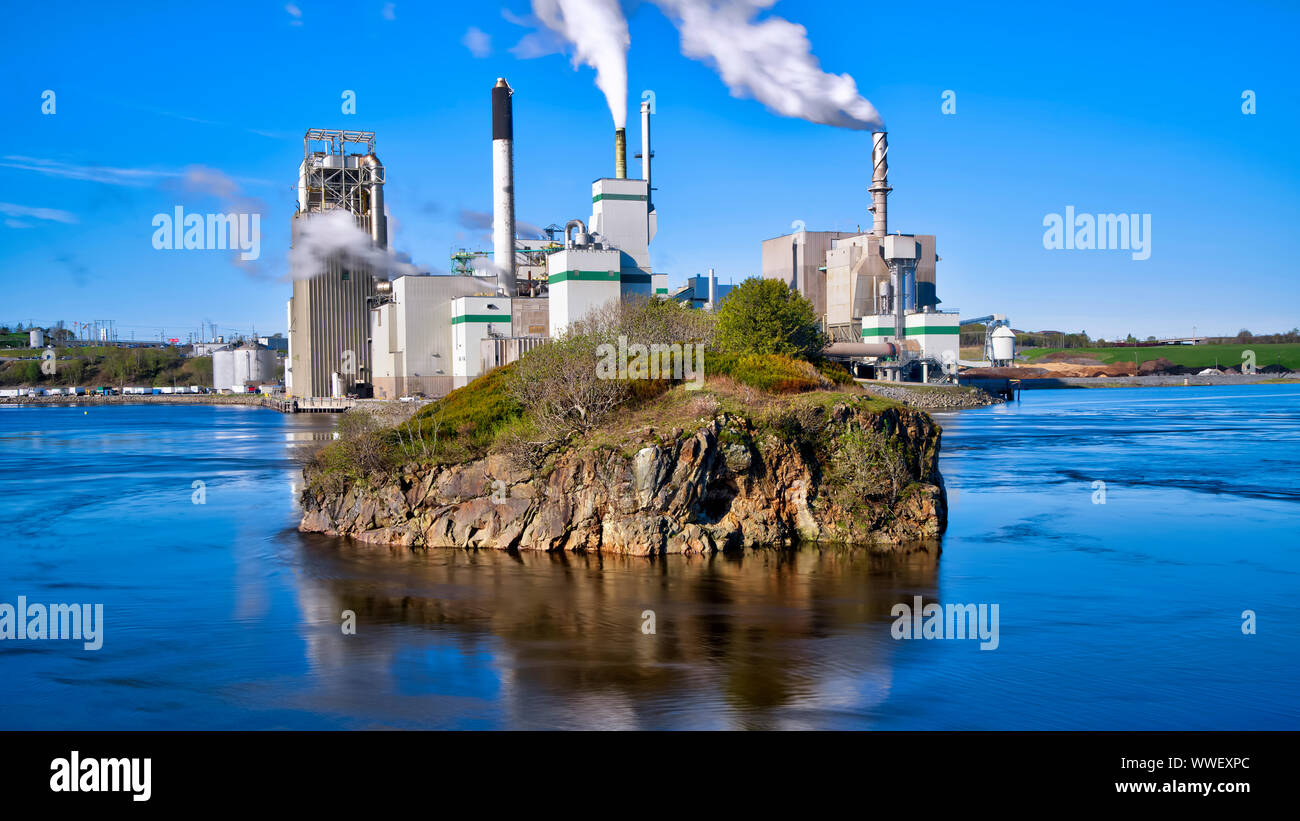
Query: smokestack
{"points": [[645, 148], [879, 183], [620, 153], [503, 185], [713, 290]]}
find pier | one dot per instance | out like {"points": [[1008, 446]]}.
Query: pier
{"points": [[309, 405]]}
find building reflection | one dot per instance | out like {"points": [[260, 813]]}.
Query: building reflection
{"points": [[768, 639]]}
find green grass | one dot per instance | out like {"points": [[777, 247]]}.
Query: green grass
{"points": [[472, 416], [1192, 356], [771, 373]]}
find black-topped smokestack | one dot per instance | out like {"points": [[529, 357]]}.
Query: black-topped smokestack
{"points": [[503, 185]]}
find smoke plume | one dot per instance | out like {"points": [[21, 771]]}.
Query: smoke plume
{"points": [[335, 234], [770, 60], [598, 31]]}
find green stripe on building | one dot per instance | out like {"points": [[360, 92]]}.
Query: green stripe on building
{"points": [[661, 290], [583, 276], [598, 276], [933, 329], [457, 320], [632, 197]]}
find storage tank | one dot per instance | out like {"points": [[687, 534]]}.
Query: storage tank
{"points": [[233, 369], [35, 338], [1004, 344], [223, 369]]}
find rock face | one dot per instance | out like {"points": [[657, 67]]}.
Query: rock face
{"points": [[729, 485]]}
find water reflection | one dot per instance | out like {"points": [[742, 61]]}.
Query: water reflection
{"points": [[771, 639]]}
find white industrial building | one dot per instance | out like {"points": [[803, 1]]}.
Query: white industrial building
{"points": [[410, 338]]}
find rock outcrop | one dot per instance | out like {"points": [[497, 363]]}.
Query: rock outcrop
{"points": [[730, 484]]}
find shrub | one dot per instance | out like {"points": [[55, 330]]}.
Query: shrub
{"points": [[559, 386], [763, 316], [833, 371], [868, 464], [767, 372]]}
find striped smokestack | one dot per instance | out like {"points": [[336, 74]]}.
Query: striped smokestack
{"points": [[620, 153], [879, 183], [503, 185]]}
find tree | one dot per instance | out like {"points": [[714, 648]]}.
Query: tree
{"points": [[763, 316]]}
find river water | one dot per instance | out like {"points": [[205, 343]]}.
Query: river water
{"points": [[1120, 604]]}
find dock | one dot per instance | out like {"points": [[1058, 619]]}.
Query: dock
{"points": [[309, 405]]}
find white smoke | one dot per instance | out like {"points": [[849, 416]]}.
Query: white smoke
{"points": [[335, 234], [770, 60], [598, 31]]}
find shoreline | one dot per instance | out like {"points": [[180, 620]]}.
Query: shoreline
{"points": [[255, 400], [1158, 381]]}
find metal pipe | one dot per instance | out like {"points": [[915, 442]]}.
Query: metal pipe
{"points": [[879, 183], [620, 153], [860, 349], [503, 186], [645, 149], [899, 327], [582, 230], [378, 219]]}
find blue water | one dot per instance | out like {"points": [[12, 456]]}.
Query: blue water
{"points": [[1119, 615]]}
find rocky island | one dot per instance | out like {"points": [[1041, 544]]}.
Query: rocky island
{"points": [[769, 450], [829, 467]]}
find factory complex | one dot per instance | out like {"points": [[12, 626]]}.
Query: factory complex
{"points": [[357, 328]]}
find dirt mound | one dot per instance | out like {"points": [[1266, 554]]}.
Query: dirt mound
{"points": [[1005, 373], [1154, 366], [1065, 369], [1071, 358], [1274, 368]]}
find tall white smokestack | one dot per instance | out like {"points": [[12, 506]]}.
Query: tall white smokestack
{"points": [[713, 290], [645, 154], [503, 185], [879, 183]]}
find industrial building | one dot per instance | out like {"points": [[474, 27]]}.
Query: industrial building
{"points": [[875, 292], [355, 331], [329, 347], [702, 292]]}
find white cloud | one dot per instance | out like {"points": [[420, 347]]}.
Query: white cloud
{"points": [[390, 11], [478, 42], [10, 209], [133, 177], [295, 13]]}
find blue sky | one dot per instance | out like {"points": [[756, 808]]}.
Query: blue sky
{"points": [[1105, 106]]}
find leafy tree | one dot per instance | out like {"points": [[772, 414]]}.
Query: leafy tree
{"points": [[763, 316]]}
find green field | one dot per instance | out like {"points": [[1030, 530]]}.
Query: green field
{"points": [[1286, 354]]}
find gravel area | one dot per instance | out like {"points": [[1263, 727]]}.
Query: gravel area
{"points": [[932, 397]]}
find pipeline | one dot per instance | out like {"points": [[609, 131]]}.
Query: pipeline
{"points": [[856, 349]]}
